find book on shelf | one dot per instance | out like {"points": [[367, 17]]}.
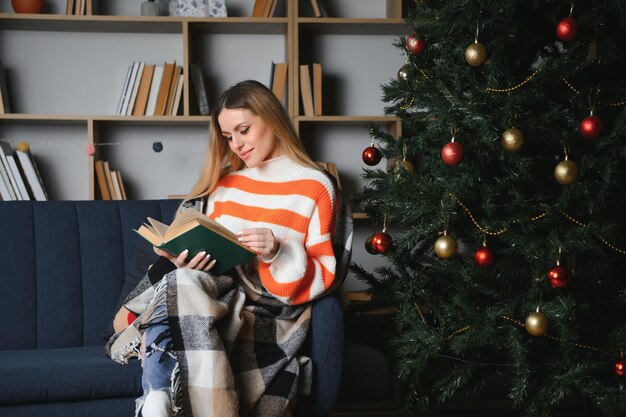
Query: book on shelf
{"points": [[164, 88], [316, 78], [7, 159], [4, 93], [6, 186], [171, 95], [31, 172], [331, 168], [196, 232], [102, 181], [116, 185], [18, 174], [109, 179], [306, 93], [143, 91], [157, 76], [135, 89], [69, 7], [199, 88], [124, 89], [278, 80], [178, 95], [121, 184], [270, 8], [128, 92], [318, 10], [258, 8]]}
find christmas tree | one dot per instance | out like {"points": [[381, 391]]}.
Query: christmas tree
{"points": [[507, 189]]}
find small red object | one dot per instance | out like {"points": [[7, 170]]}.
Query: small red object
{"points": [[559, 277], [620, 367], [567, 29], [591, 127], [381, 242], [90, 149], [484, 257], [131, 317], [452, 153], [371, 155], [415, 44]]}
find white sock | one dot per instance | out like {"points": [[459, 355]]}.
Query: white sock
{"points": [[157, 404]]}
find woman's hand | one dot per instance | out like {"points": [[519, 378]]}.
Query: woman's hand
{"points": [[261, 240], [202, 261]]}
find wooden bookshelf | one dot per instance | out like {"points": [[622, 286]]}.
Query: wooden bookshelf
{"points": [[183, 39]]}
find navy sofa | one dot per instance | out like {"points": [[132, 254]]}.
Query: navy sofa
{"points": [[64, 268]]}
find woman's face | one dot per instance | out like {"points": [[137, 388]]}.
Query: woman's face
{"points": [[248, 136]]}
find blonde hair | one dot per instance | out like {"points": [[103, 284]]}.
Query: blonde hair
{"points": [[261, 101]]}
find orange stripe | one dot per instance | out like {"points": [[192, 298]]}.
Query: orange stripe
{"points": [[280, 217], [321, 249], [299, 291], [312, 189]]}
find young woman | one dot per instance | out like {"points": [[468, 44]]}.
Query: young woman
{"points": [[229, 345]]}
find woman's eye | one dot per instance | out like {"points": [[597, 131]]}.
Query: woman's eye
{"points": [[228, 138], [244, 130]]}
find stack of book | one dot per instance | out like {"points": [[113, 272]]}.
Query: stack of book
{"points": [[278, 80], [151, 90], [77, 7], [264, 8], [110, 182], [311, 89], [19, 176]]}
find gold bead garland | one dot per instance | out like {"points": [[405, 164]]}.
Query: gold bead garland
{"points": [[419, 311], [603, 240], [481, 228], [604, 103], [532, 219], [519, 323], [459, 331], [515, 87]]}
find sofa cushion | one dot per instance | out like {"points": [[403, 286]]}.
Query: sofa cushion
{"points": [[67, 374]]}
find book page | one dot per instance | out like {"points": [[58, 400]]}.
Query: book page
{"points": [[159, 228], [193, 214]]}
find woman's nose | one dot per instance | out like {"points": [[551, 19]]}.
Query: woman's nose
{"points": [[236, 142]]}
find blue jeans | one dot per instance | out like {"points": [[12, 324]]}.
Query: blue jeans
{"points": [[159, 361]]}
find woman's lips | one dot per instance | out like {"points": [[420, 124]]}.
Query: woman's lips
{"points": [[245, 154]]}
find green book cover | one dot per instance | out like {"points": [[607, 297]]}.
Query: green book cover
{"points": [[197, 234]]}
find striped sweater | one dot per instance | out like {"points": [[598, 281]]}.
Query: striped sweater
{"points": [[297, 204]]}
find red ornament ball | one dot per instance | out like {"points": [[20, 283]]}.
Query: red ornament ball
{"points": [[452, 153], [368, 246], [591, 127], [620, 367], [371, 155], [567, 29], [415, 44], [484, 257], [559, 277], [381, 242]]}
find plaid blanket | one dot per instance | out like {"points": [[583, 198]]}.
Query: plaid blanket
{"points": [[238, 348]]}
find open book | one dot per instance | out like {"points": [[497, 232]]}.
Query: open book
{"points": [[197, 232]]}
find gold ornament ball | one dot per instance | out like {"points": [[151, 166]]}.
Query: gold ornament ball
{"points": [[403, 73], [446, 247], [476, 54], [566, 172], [512, 140], [401, 165], [536, 323]]}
